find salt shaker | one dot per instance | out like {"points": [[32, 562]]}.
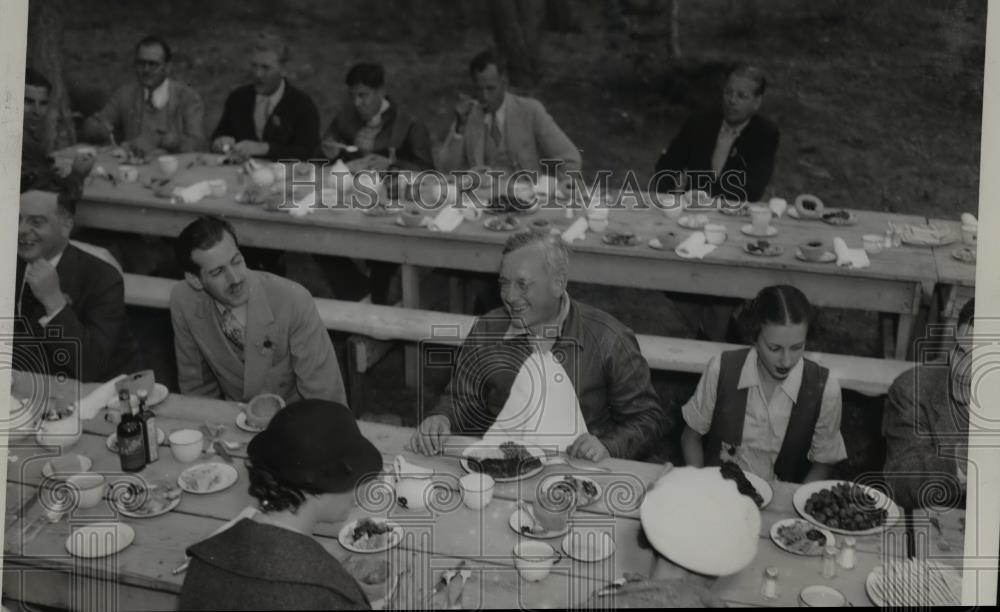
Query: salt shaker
{"points": [[830, 562], [769, 586], [847, 553]]}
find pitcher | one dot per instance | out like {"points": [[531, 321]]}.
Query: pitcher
{"points": [[413, 484]]}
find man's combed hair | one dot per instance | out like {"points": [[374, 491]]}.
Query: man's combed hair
{"points": [[755, 74], [366, 73], [274, 43], [151, 41], [202, 234], [482, 60], [35, 78]]}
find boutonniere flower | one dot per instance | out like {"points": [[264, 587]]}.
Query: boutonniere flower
{"points": [[267, 346], [729, 449]]}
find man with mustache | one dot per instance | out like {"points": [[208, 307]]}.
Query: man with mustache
{"points": [[238, 332], [547, 369], [66, 298]]}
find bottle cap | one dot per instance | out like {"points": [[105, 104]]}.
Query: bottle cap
{"points": [[771, 572]]}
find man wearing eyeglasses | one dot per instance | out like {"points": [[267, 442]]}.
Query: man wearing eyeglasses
{"points": [[155, 113]]}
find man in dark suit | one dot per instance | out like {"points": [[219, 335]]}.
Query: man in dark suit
{"points": [[269, 118], [728, 152], [70, 305]]}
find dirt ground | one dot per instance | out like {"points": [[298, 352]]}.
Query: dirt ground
{"points": [[879, 108]]}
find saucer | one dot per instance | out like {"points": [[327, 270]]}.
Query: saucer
{"points": [[241, 422], [773, 250], [828, 257], [522, 522], [748, 230]]}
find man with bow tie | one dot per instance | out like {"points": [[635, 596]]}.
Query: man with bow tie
{"points": [[728, 152], [155, 114], [70, 305], [269, 118], [238, 332]]}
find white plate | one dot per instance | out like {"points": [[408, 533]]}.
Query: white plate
{"points": [[688, 222], [822, 596], [160, 393], [882, 501], [479, 446], [99, 540], [522, 518], [763, 488], [588, 545], [830, 539], [557, 478], [828, 257], [225, 476], [345, 539], [947, 589], [142, 515], [112, 441], [748, 230], [241, 422], [85, 463]]}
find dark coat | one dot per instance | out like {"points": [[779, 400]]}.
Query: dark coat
{"points": [[399, 130], [747, 170], [292, 130], [93, 325], [251, 566]]}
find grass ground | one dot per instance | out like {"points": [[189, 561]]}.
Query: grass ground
{"points": [[879, 106]]}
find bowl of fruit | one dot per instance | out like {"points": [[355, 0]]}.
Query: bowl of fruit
{"points": [[846, 508]]}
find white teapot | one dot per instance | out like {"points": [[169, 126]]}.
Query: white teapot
{"points": [[413, 484]]}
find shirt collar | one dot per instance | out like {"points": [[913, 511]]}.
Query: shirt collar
{"points": [[501, 112], [750, 376], [160, 95], [735, 130], [238, 310], [376, 121], [558, 322]]}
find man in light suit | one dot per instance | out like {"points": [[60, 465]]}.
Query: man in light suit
{"points": [[238, 332], [502, 130]]}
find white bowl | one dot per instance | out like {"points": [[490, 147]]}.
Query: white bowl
{"points": [[91, 488], [63, 433], [534, 560], [477, 490], [186, 444]]}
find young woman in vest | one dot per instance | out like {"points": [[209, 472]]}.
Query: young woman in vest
{"points": [[766, 408]]}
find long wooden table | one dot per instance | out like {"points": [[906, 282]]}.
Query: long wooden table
{"points": [[140, 578], [896, 283]]}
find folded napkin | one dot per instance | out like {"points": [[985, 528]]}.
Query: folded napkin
{"points": [[849, 258], [91, 404], [447, 220], [576, 231], [968, 219], [695, 246], [193, 193], [778, 206]]}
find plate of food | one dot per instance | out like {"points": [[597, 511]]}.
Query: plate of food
{"points": [[587, 491], [370, 535], [588, 545], [839, 217], [152, 500], [623, 238], [504, 223], [112, 440], [57, 409], [523, 522], [206, 478], [762, 248], [694, 222], [800, 537], [751, 485], [505, 461], [158, 394], [965, 254], [914, 583], [749, 231], [241, 422], [846, 508], [734, 209], [807, 206]]}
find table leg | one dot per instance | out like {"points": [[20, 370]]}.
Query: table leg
{"points": [[411, 299], [903, 335]]}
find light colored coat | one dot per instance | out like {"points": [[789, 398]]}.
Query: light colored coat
{"points": [[288, 350], [531, 135]]}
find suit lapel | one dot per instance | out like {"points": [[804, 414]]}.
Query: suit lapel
{"points": [[514, 126], [258, 333], [475, 136]]}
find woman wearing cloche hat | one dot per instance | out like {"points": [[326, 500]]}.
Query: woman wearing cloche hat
{"points": [[303, 470]]}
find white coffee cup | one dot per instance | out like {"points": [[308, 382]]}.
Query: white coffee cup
{"points": [[90, 488], [715, 233], [760, 219], [128, 174], [873, 243], [168, 164], [477, 490], [534, 560], [970, 234], [186, 444]]}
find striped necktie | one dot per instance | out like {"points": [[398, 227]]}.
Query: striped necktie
{"points": [[232, 328]]}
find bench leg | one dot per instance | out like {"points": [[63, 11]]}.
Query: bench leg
{"points": [[411, 299], [904, 335]]}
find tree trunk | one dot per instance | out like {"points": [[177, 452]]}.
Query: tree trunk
{"points": [[673, 30], [516, 25], [45, 55]]}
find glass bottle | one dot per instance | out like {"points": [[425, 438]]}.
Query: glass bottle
{"points": [[847, 557], [131, 447], [148, 421], [830, 562], [769, 586]]}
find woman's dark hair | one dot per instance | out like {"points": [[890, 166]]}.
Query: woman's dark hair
{"points": [[272, 495], [370, 75], [776, 305]]}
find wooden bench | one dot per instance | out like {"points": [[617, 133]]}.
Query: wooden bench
{"points": [[366, 323]]}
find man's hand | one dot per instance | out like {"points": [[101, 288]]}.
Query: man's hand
{"points": [[222, 144], [430, 434], [43, 280], [588, 446], [462, 110], [252, 148]]}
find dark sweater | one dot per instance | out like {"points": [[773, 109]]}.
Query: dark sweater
{"points": [[252, 566], [292, 130], [399, 130]]}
